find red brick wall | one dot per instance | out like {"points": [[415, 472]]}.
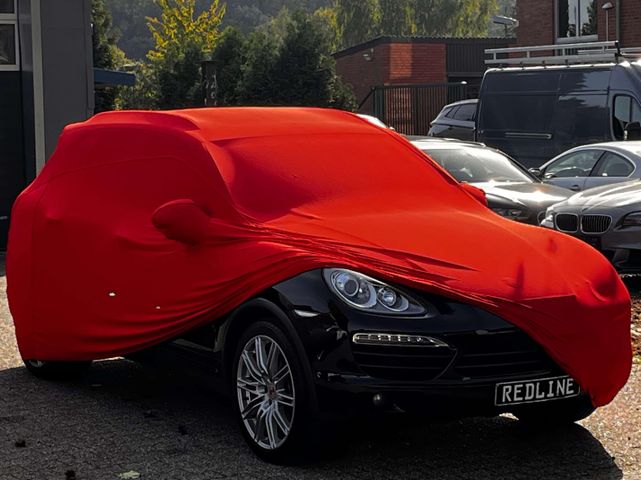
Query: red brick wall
{"points": [[537, 17], [417, 63], [536, 22], [392, 63], [361, 74], [630, 26]]}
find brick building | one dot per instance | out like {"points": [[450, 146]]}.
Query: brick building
{"points": [[399, 63], [546, 22]]}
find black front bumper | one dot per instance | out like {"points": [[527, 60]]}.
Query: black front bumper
{"points": [[481, 350]]}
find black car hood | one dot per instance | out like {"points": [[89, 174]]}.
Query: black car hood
{"points": [[523, 193], [610, 196]]}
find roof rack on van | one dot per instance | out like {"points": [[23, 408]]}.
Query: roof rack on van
{"points": [[562, 54]]}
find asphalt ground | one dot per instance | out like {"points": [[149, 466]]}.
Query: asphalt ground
{"points": [[125, 421]]}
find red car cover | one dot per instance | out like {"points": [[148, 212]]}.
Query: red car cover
{"points": [[143, 225]]}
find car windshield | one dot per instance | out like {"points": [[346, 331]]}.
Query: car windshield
{"points": [[477, 164]]}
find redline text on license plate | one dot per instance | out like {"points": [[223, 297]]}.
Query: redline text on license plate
{"points": [[538, 390]]}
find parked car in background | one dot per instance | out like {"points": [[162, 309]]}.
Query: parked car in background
{"points": [[511, 190], [534, 113], [606, 217], [456, 120], [593, 165]]}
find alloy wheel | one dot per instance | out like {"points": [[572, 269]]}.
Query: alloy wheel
{"points": [[266, 393]]}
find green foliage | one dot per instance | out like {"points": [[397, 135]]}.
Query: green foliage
{"points": [[288, 62], [106, 54], [229, 56], [142, 96], [358, 20], [135, 39], [362, 20], [180, 28], [129, 19], [183, 39]]}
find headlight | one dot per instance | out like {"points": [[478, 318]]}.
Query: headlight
{"points": [[365, 293], [632, 220], [510, 213], [548, 220]]}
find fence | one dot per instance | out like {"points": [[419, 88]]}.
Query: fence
{"points": [[410, 108]]}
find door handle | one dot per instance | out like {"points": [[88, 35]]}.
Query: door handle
{"points": [[576, 188]]}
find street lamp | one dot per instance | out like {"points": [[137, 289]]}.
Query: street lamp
{"points": [[607, 7]]}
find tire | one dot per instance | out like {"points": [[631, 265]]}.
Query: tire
{"points": [[56, 370], [271, 395], [555, 413]]}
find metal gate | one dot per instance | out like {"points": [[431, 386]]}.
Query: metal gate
{"points": [[410, 108]]}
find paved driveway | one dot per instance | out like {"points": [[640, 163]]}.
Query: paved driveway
{"points": [[123, 420]]}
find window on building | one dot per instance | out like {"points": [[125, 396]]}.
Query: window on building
{"points": [[626, 110], [7, 44], [576, 18], [7, 7], [8, 35]]}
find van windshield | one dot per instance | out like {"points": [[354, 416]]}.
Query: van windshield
{"points": [[477, 164]]}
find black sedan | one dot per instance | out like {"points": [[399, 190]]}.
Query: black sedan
{"points": [[511, 190]]}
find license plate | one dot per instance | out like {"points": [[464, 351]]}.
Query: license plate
{"points": [[539, 390]]}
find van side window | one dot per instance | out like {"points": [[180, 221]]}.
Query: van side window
{"points": [[626, 110], [613, 165]]}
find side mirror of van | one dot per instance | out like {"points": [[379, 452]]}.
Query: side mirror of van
{"points": [[536, 172], [632, 131]]}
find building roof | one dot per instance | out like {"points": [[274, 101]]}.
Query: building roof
{"points": [[383, 39]]}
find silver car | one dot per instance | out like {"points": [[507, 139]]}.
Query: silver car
{"points": [[606, 217], [593, 165]]}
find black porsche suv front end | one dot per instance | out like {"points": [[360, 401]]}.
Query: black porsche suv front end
{"points": [[334, 340], [449, 359]]}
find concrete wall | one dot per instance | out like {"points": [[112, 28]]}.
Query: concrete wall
{"points": [[67, 65], [52, 88]]}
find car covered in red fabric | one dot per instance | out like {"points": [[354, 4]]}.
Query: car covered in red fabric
{"points": [[309, 260]]}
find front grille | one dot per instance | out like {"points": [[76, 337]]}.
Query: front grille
{"points": [[471, 356], [566, 222], [595, 223], [402, 362], [501, 354]]}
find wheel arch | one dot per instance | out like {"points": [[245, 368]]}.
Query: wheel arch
{"points": [[252, 310]]}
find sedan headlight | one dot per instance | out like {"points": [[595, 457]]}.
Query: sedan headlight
{"points": [[367, 294], [548, 219], [632, 220]]}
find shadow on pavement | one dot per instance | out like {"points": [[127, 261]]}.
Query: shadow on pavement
{"points": [[123, 418], [633, 282]]}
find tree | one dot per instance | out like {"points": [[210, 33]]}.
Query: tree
{"points": [[183, 40], [106, 54], [358, 20], [180, 27], [229, 57], [397, 17], [288, 62], [362, 20]]}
